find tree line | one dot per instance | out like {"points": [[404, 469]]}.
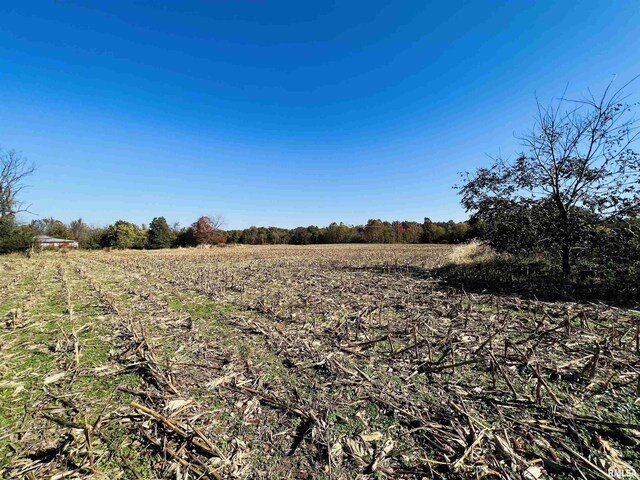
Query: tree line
{"points": [[207, 230]]}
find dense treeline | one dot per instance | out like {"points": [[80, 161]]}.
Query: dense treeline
{"points": [[374, 231], [207, 231]]}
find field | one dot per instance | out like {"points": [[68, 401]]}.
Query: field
{"points": [[305, 362]]}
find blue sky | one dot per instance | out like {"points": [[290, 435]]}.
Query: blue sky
{"points": [[286, 113]]}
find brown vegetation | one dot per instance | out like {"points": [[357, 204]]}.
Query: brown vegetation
{"points": [[305, 362]]}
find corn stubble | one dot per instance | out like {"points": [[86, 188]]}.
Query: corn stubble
{"points": [[346, 361]]}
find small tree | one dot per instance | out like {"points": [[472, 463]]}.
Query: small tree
{"points": [[159, 234], [578, 167], [206, 230]]}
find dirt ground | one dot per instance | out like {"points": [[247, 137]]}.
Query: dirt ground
{"points": [[286, 362]]}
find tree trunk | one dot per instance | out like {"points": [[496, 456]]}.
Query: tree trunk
{"points": [[566, 265], [566, 236]]}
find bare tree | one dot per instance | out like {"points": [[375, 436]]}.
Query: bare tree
{"points": [[14, 168], [578, 164], [79, 230], [217, 221]]}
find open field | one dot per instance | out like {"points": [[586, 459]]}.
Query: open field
{"points": [[304, 362]]}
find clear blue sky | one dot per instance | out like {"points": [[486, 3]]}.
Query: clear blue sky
{"points": [[286, 113]]}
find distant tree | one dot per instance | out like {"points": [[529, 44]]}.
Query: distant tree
{"points": [[203, 232], [300, 236], [207, 230], [232, 236], [159, 234], [42, 225], [406, 232], [51, 227], [217, 221], [457, 232], [123, 235], [79, 231], [578, 166], [336, 233], [314, 234], [185, 238], [412, 232], [398, 231], [374, 231], [277, 236], [255, 236], [93, 239], [58, 230], [432, 232], [249, 235]]}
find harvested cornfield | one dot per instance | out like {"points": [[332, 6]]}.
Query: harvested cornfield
{"points": [[332, 362]]}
